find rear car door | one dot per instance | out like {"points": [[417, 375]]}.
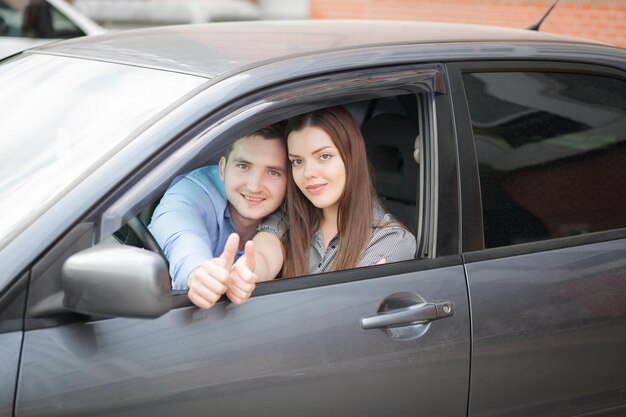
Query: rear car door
{"points": [[298, 346], [544, 146]]}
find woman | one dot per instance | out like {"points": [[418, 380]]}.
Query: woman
{"points": [[334, 220]]}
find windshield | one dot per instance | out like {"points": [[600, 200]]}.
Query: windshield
{"points": [[60, 117]]}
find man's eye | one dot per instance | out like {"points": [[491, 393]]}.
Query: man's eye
{"points": [[296, 162], [242, 166], [274, 173]]}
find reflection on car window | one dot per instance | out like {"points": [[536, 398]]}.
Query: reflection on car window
{"points": [[551, 150]]}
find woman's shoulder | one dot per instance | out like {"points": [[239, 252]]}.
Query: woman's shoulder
{"points": [[390, 228], [386, 229], [384, 222], [391, 243]]}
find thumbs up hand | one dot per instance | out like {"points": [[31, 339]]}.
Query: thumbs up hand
{"points": [[209, 281], [242, 277]]}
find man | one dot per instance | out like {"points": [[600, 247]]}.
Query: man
{"points": [[215, 210]]}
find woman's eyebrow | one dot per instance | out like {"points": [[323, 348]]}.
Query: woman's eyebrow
{"points": [[293, 155], [322, 149]]}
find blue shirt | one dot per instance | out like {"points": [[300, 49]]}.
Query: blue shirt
{"points": [[192, 222]]}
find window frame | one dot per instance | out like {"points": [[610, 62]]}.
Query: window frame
{"points": [[224, 126]]}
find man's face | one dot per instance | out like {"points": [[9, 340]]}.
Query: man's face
{"points": [[255, 177]]}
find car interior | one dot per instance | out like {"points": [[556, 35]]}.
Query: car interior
{"points": [[390, 129]]}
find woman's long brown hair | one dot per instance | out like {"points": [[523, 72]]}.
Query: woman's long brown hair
{"points": [[354, 221]]}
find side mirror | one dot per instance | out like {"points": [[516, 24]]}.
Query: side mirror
{"points": [[119, 281]]}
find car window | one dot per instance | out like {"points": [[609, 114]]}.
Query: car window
{"points": [[10, 19], [396, 120], [35, 19], [62, 26], [391, 132], [551, 148], [43, 158]]}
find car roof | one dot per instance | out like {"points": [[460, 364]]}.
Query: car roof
{"points": [[209, 50]]}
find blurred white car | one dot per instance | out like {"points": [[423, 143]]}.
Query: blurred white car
{"points": [[28, 23], [151, 12]]}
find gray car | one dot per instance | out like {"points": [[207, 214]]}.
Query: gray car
{"points": [[503, 150]]}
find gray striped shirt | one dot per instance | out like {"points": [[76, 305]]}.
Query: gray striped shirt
{"points": [[388, 240]]}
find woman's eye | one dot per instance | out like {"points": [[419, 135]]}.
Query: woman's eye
{"points": [[296, 162], [325, 156]]}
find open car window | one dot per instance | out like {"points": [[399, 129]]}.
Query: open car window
{"points": [[393, 136]]}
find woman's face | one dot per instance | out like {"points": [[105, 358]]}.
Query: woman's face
{"points": [[317, 167]]}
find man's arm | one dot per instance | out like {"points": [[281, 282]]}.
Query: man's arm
{"points": [[184, 224]]}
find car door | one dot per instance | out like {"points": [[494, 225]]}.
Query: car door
{"points": [[299, 346], [547, 280]]}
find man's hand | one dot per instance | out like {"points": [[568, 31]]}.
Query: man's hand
{"points": [[242, 277], [208, 282]]}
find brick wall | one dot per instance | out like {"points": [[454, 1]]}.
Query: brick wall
{"points": [[602, 20]]}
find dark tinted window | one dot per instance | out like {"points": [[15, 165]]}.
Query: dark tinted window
{"points": [[551, 150]]}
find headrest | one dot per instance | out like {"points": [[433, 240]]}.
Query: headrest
{"points": [[390, 143]]}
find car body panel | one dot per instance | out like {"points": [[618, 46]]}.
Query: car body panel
{"points": [[536, 315], [11, 46], [209, 52], [299, 352], [10, 345], [548, 316]]}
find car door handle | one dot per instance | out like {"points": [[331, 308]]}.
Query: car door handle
{"points": [[415, 314]]}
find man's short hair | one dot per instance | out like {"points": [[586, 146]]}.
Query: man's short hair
{"points": [[274, 131]]}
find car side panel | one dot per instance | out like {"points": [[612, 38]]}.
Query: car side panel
{"points": [[301, 352], [10, 344], [549, 331], [11, 333]]}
